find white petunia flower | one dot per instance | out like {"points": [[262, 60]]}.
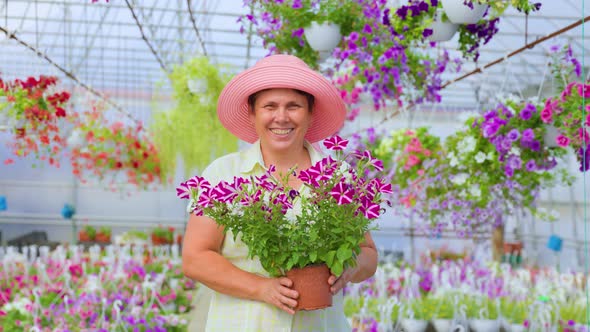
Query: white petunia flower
{"points": [[490, 155], [480, 157], [515, 150], [460, 178], [475, 191], [467, 144]]}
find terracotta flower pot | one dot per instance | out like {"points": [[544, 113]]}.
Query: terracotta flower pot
{"points": [[103, 238], [311, 282], [83, 236]]}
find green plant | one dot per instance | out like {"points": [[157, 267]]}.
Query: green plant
{"points": [[166, 233], [107, 231], [190, 131], [90, 231], [322, 222], [479, 307], [515, 311]]}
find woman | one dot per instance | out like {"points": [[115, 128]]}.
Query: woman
{"points": [[281, 106]]}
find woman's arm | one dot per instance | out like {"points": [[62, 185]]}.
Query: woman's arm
{"points": [[203, 262], [366, 265]]}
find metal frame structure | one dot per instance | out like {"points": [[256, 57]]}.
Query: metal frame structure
{"points": [[125, 44]]}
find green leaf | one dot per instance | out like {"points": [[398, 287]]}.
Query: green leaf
{"points": [[336, 268], [343, 254], [329, 257], [313, 256]]}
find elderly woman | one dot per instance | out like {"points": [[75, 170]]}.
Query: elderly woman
{"points": [[281, 106]]}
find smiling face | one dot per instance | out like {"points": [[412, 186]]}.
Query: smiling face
{"points": [[281, 118]]}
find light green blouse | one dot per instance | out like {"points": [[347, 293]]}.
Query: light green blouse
{"points": [[217, 312]]}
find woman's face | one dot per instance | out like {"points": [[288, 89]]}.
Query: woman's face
{"points": [[281, 118]]}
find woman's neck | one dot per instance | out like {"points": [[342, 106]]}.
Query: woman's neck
{"points": [[285, 160]]}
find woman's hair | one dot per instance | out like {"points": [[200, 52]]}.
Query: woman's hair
{"points": [[310, 98]]}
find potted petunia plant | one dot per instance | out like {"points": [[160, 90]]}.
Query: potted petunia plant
{"points": [[318, 227]]}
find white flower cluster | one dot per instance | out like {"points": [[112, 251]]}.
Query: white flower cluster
{"points": [[22, 305]]}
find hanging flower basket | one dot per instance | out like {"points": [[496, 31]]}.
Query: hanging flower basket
{"points": [[460, 13], [414, 325], [323, 37], [442, 325], [442, 30], [484, 325]]}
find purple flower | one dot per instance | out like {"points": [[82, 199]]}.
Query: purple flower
{"points": [[513, 135], [367, 29], [528, 135], [426, 33], [514, 162], [531, 165], [508, 171], [297, 4], [490, 129], [527, 111]]}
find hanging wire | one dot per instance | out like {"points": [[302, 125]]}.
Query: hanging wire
{"points": [[584, 173]]}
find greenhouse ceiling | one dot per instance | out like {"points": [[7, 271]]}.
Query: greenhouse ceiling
{"points": [[120, 47]]}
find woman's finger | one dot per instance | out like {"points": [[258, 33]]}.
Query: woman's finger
{"points": [[285, 281], [288, 292]]}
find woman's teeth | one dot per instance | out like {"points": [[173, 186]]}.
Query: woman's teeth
{"points": [[281, 131]]}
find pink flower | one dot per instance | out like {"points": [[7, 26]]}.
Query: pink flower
{"points": [[546, 115], [335, 143], [588, 116], [412, 161], [584, 90], [562, 140]]}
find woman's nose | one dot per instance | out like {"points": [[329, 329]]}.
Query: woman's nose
{"points": [[281, 114]]}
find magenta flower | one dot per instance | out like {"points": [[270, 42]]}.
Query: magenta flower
{"points": [[335, 143], [369, 209], [250, 199], [198, 182], [183, 191], [225, 192], [562, 140], [584, 90], [546, 115], [377, 186], [342, 192]]}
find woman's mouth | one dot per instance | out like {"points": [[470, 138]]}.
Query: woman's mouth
{"points": [[281, 131]]}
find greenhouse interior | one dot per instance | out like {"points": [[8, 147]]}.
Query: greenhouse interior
{"points": [[449, 194]]}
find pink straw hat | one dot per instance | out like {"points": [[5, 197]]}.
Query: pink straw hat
{"points": [[281, 71]]}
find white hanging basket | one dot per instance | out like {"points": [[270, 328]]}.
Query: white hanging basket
{"points": [[442, 31], [484, 325], [323, 37], [550, 137], [458, 12], [414, 325], [441, 325]]}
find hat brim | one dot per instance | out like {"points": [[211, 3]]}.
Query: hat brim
{"points": [[329, 111]]}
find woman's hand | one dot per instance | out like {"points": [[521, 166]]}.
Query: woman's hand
{"points": [[278, 292], [337, 283]]}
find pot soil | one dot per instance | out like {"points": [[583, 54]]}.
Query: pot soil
{"points": [[311, 282]]}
